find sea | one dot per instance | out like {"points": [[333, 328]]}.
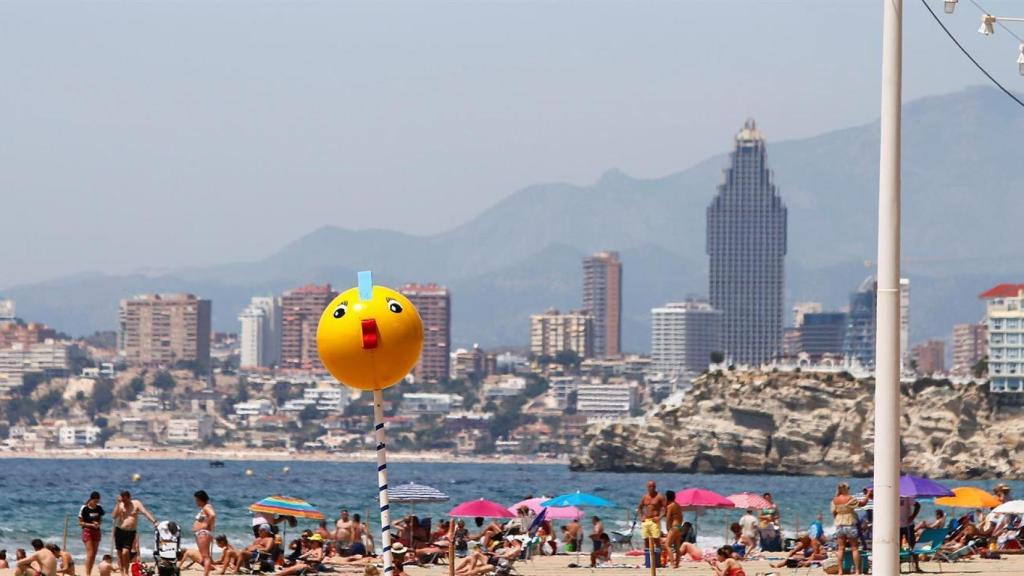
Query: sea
{"points": [[37, 496]]}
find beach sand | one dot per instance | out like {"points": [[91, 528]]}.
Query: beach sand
{"points": [[633, 566]]}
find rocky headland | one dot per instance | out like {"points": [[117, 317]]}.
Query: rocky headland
{"points": [[814, 424]]}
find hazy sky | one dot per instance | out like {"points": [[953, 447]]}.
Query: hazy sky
{"points": [[145, 135]]}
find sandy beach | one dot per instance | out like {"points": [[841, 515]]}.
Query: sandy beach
{"points": [[633, 566]]}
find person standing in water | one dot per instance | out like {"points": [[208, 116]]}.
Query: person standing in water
{"points": [[203, 527]]}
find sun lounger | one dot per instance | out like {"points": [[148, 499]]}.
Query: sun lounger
{"points": [[956, 555]]}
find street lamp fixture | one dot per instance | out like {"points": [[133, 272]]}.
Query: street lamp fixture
{"points": [[1020, 60], [949, 6], [987, 24]]}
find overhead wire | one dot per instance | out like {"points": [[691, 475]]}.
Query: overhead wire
{"points": [[968, 54]]}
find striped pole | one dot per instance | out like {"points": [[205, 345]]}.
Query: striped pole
{"points": [[382, 480]]}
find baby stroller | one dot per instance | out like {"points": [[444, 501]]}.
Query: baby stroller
{"points": [[167, 548]]}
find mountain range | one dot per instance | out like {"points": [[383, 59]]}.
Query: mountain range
{"points": [[961, 180]]}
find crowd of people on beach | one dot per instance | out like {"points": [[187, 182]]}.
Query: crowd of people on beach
{"points": [[483, 547]]}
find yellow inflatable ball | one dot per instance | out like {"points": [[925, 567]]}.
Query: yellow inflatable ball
{"points": [[369, 337]]}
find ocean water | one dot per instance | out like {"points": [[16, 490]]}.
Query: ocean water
{"points": [[37, 494]]}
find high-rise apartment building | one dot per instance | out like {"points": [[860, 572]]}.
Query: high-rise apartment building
{"points": [[6, 311], [683, 336], [746, 242], [969, 342], [930, 357], [553, 332], [300, 314], [822, 333], [802, 308], [162, 329], [259, 340], [859, 342], [602, 299], [1004, 314], [434, 305]]}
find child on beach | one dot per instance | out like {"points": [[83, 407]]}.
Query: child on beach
{"points": [[106, 565], [724, 563]]}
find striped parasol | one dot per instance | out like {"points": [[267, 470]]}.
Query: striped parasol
{"points": [[287, 506], [412, 493]]}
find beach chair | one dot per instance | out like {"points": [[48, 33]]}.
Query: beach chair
{"points": [[956, 555], [929, 544], [623, 538]]}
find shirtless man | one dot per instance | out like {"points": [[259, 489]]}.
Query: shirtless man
{"points": [[574, 534], [126, 525], [45, 561], [343, 531], [674, 525], [651, 509], [65, 563], [106, 565]]}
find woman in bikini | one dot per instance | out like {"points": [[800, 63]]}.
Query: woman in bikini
{"points": [[206, 521], [725, 565]]}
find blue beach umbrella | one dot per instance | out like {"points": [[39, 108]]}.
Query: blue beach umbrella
{"points": [[577, 499]]}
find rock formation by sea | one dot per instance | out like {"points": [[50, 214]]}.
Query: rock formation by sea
{"points": [[810, 423]]}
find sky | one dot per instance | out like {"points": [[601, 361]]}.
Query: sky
{"points": [[147, 135]]}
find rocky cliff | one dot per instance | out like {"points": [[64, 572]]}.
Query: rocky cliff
{"points": [[804, 423]]}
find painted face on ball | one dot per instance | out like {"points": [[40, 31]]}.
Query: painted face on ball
{"points": [[369, 337]]}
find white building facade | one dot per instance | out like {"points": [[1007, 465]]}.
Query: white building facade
{"points": [[260, 336], [1004, 315], [683, 336]]}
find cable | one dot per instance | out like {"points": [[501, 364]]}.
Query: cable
{"points": [[1001, 25], [968, 54]]}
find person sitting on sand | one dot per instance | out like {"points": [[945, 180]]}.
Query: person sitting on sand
{"points": [[4, 565], [40, 563], [488, 532], [806, 551], [65, 563], [724, 564], [742, 546], [309, 561], [230, 557], [189, 557], [482, 562], [106, 565], [262, 545]]}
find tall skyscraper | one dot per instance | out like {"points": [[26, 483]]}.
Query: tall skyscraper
{"points": [[861, 323], [260, 337], [434, 305], [552, 332], [1004, 313], [968, 346], [300, 314], [683, 336], [162, 329], [746, 242], [602, 298], [859, 342]]}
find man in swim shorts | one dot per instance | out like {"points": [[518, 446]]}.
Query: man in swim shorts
{"points": [[126, 525]]}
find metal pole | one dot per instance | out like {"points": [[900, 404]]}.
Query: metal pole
{"points": [[382, 480], [885, 539]]}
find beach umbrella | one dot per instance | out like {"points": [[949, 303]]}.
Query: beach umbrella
{"points": [[287, 506], [700, 498], [1011, 507], [577, 499], [969, 497], [748, 500], [480, 508], [920, 487], [413, 494], [560, 513]]}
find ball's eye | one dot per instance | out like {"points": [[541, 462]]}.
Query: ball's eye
{"points": [[395, 307], [339, 312]]}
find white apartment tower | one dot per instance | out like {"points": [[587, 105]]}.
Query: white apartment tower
{"points": [[260, 336], [683, 336]]}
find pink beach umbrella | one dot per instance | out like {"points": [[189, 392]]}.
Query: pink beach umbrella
{"points": [[480, 508], [559, 513], [749, 501], [700, 498]]}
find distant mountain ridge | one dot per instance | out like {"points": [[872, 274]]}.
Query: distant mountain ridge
{"points": [[961, 187]]}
